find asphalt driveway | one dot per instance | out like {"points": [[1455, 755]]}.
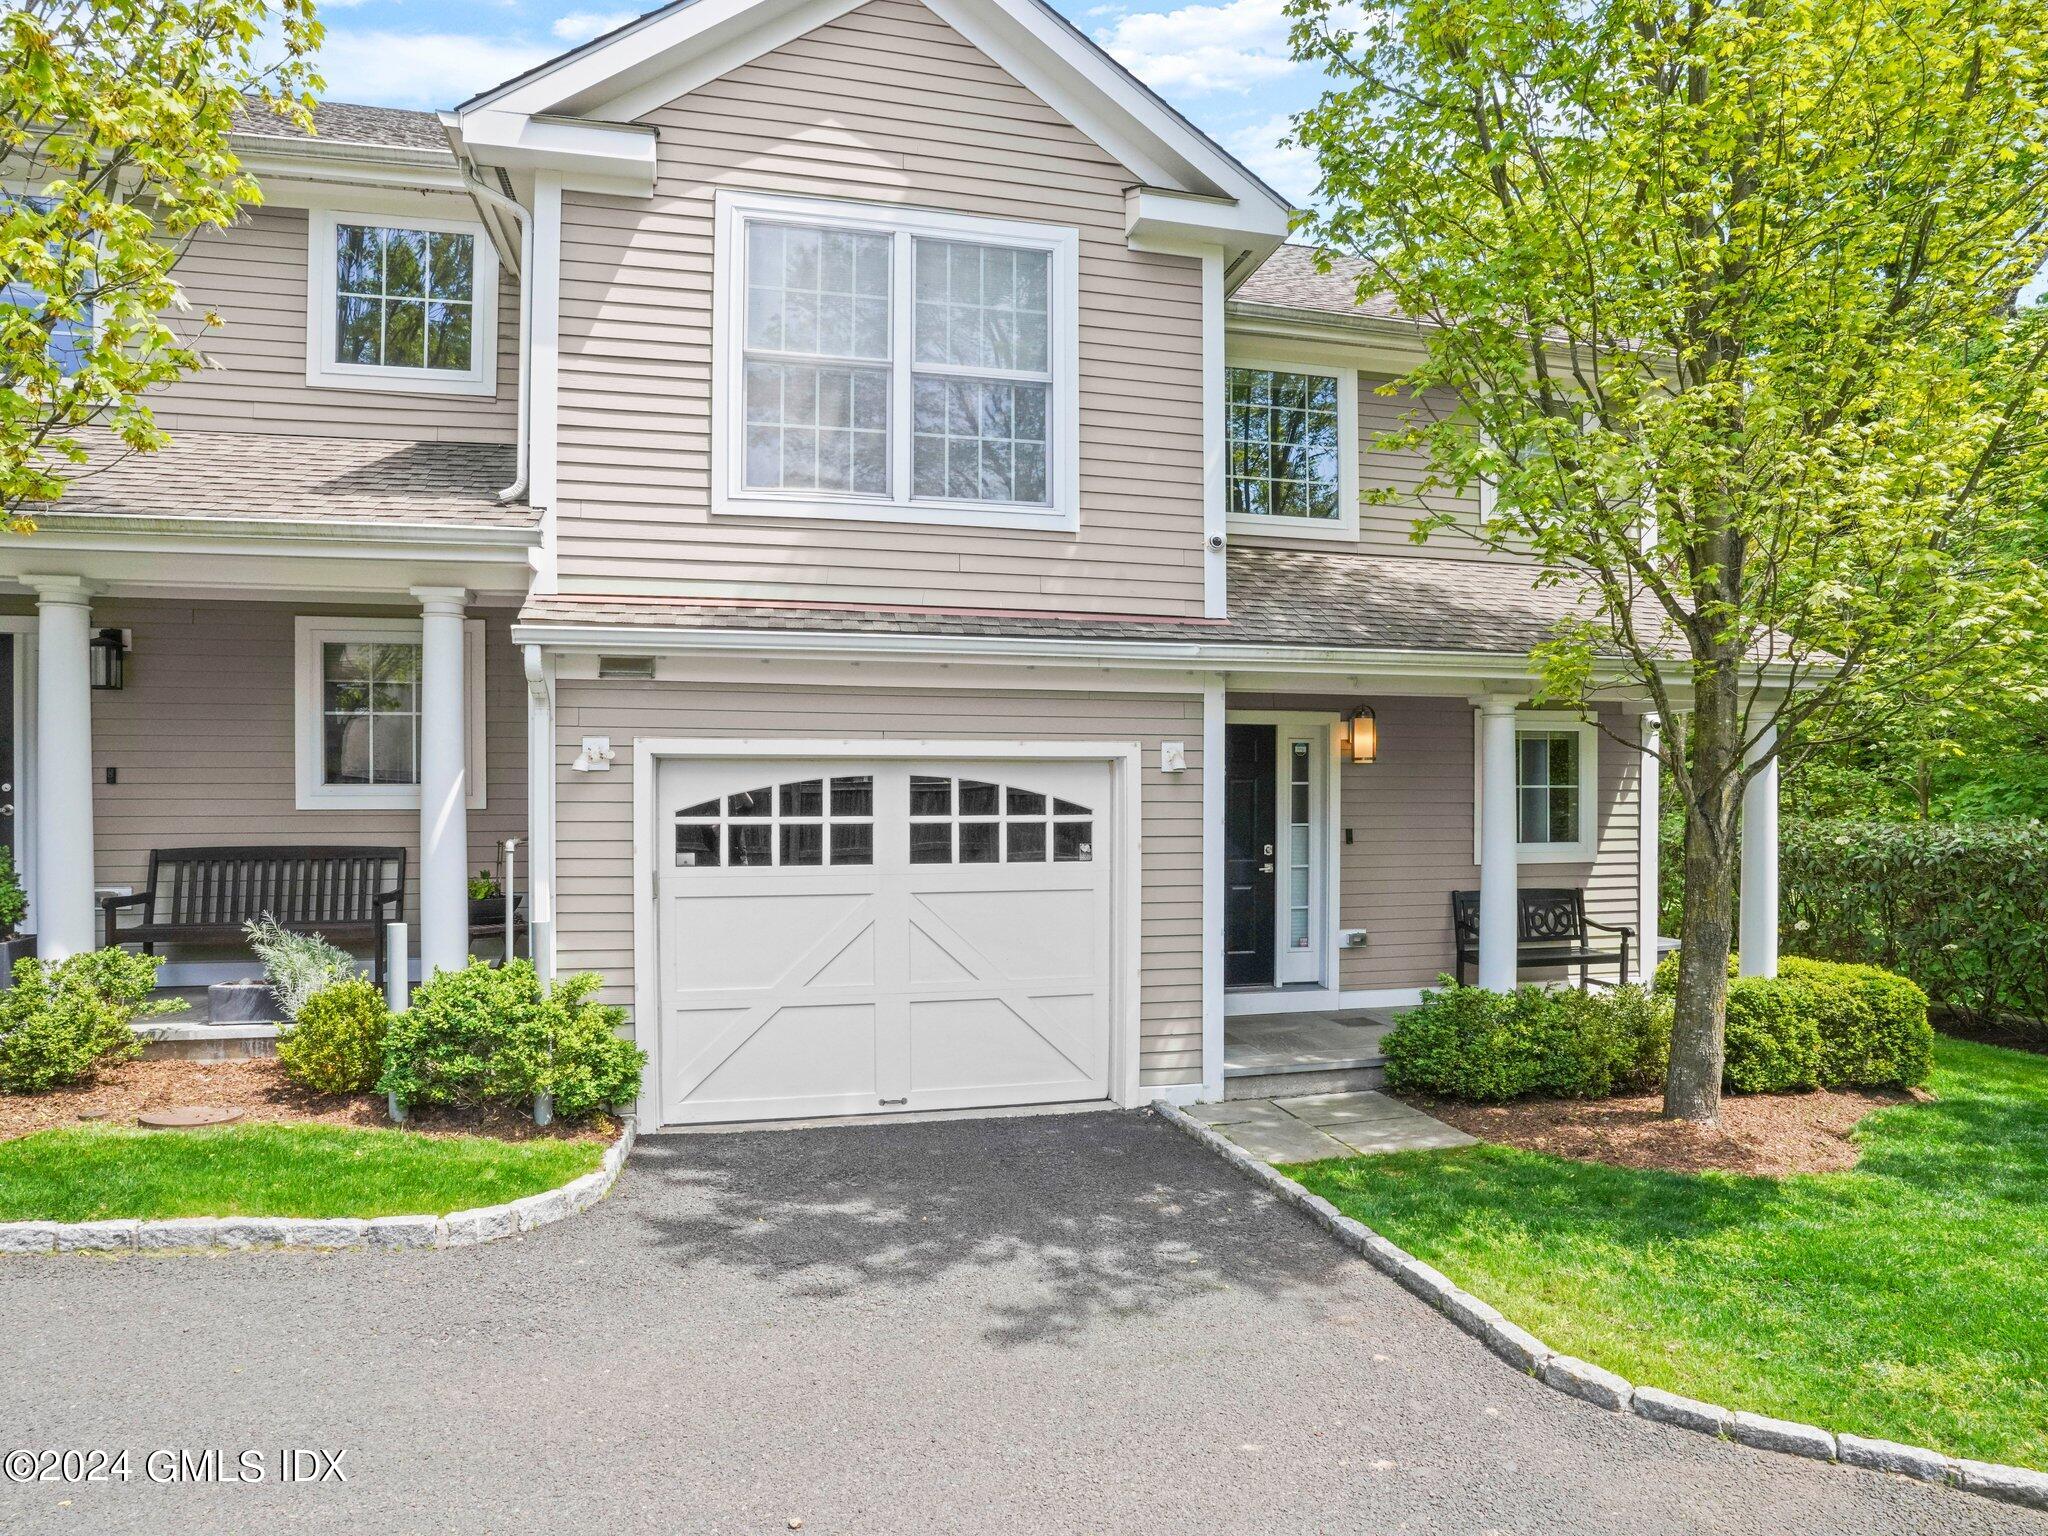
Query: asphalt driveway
{"points": [[1060, 1323]]}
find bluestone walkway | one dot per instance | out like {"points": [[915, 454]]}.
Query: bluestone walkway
{"points": [[1307, 1129]]}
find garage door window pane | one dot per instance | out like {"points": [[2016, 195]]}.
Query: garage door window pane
{"points": [[805, 799], [980, 841], [977, 799], [751, 846], [752, 802], [930, 796], [803, 842], [1073, 842], [697, 846], [705, 809], [853, 843], [931, 842], [1027, 842], [853, 796], [1024, 802]]}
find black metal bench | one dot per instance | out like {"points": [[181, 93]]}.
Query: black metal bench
{"points": [[1551, 929], [205, 895]]}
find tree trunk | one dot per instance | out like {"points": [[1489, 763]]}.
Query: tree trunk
{"points": [[1706, 923]]}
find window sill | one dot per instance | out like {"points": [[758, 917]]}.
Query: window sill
{"points": [[402, 383], [1553, 853], [917, 513], [1291, 528], [359, 797]]}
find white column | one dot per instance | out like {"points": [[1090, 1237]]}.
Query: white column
{"points": [[1649, 812], [1498, 827], [64, 920], [1759, 923], [444, 815]]}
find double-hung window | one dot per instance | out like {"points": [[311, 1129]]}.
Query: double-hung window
{"points": [[894, 364], [1556, 788], [402, 303], [356, 738], [1291, 440]]}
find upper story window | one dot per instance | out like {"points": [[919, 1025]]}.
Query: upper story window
{"points": [[401, 303], [1291, 429], [894, 364], [70, 335]]}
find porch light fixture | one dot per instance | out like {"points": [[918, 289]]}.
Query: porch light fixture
{"points": [[109, 652], [1362, 734]]}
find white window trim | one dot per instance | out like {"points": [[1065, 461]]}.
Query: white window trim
{"points": [[480, 378], [728, 422], [309, 634], [1581, 851], [1344, 527]]}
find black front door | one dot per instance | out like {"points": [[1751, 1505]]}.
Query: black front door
{"points": [[1248, 890], [7, 840]]}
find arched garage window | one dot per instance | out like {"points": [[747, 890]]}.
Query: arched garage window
{"points": [[804, 823]]}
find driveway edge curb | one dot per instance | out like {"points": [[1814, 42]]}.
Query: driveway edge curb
{"points": [[458, 1229], [1602, 1388]]}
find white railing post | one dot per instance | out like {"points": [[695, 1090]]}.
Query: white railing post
{"points": [[511, 899]]}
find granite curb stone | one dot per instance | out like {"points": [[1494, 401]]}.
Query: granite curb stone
{"points": [[1563, 1373]]}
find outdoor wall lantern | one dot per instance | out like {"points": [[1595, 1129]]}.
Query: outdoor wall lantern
{"points": [[109, 659], [1362, 734]]}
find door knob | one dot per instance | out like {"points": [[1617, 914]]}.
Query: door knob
{"points": [[1265, 869]]}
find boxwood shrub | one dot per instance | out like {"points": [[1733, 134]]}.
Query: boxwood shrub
{"points": [[60, 1021], [1820, 1023], [494, 1035], [337, 1045], [1488, 1047]]}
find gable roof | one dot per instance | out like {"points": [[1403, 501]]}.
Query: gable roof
{"points": [[625, 73], [1290, 279], [345, 122]]}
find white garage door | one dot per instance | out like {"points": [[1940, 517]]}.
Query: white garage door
{"points": [[859, 937]]}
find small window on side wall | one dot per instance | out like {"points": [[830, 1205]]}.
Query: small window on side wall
{"points": [[401, 303], [1557, 774]]}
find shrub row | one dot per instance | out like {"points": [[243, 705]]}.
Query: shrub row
{"points": [[1960, 907], [482, 1035], [1815, 1024]]}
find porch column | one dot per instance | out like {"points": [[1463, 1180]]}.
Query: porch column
{"points": [[1649, 815], [1759, 921], [1498, 876], [444, 816], [64, 854]]}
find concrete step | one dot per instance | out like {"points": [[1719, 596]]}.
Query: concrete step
{"points": [[1295, 1083]]}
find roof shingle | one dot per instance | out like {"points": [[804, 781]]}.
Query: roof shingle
{"points": [[1289, 279], [270, 477], [1308, 599], [348, 122]]}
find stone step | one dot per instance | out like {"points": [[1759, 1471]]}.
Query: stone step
{"points": [[1297, 1082]]}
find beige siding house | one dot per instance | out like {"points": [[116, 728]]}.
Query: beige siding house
{"points": [[858, 511]]}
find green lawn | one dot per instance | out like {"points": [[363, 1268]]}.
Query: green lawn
{"points": [[1906, 1299], [89, 1173]]}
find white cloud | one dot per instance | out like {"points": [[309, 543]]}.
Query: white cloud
{"points": [[581, 26], [1290, 171], [433, 69], [1233, 46]]}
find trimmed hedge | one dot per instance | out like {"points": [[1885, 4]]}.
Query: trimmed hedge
{"points": [[1820, 1024], [337, 1045], [1959, 907], [1488, 1047]]}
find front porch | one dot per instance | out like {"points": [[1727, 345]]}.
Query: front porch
{"points": [[1306, 1052]]}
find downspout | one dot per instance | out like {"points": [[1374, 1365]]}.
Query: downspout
{"points": [[540, 810], [508, 205]]}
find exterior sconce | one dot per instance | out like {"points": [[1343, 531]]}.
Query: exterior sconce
{"points": [[108, 651], [1362, 734]]}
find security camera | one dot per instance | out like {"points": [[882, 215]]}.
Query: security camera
{"points": [[1215, 541]]}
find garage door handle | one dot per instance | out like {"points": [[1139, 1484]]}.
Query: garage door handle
{"points": [[894, 1101]]}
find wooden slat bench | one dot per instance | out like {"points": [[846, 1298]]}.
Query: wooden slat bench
{"points": [[205, 895], [1551, 930]]}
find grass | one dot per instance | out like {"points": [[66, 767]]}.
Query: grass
{"points": [[1906, 1299], [91, 1173]]}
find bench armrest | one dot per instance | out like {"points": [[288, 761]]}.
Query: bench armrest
{"points": [[1620, 928], [112, 904], [391, 898]]}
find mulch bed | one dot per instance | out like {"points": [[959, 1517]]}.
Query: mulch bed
{"points": [[1772, 1133], [259, 1088]]}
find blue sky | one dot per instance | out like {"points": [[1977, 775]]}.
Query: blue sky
{"points": [[1224, 64]]}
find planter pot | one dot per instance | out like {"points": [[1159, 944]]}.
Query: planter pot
{"points": [[242, 1002], [486, 910], [21, 947]]}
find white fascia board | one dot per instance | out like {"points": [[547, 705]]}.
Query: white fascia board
{"points": [[166, 533], [591, 157], [269, 158]]}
